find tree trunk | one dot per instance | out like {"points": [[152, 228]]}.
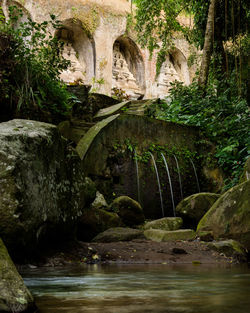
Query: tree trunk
{"points": [[208, 45]]}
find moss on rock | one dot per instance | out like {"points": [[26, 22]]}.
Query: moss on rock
{"points": [[230, 248], [129, 210], [14, 295], [192, 208], [229, 217], [162, 235], [166, 223], [95, 221]]}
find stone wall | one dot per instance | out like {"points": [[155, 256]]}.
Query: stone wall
{"points": [[103, 53]]}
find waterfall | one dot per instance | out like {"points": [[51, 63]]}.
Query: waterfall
{"points": [[179, 174], [137, 178], [195, 173], [170, 182], [158, 181]]}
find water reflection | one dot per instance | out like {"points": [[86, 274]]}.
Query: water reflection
{"points": [[129, 289]]}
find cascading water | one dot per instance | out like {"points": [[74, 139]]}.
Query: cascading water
{"points": [[159, 184], [196, 176], [170, 182], [137, 178], [179, 174]]}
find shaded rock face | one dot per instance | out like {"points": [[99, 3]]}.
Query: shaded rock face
{"points": [[230, 248], [192, 208], [95, 221], [42, 187], [14, 295], [166, 223], [119, 234], [129, 210], [229, 217]]}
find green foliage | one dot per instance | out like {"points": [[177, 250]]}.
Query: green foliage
{"points": [[33, 60], [96, 84], [222, 115], [156, 23]]}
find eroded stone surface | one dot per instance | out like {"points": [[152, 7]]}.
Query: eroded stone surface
{"points": [[14, 295], [162, 235], [229, 217], [166, 223], [192, 208], [42, 185]]}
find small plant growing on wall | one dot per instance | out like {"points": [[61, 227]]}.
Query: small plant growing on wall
{"points": [[119, 94], [96, 84]]}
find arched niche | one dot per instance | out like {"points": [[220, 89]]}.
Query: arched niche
{"points": [[128, 67], [79, 49], [174, 68]]}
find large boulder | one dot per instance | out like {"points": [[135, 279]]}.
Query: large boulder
{"points": [[165, 223], [95, 221], [129, 210], [194, 207], [119, 234], [14, 295], [42, 185], [229, 217]]}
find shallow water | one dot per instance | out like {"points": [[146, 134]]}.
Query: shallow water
{"points": [[151, 288]]}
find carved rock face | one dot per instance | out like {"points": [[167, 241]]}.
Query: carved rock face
{"points": [[76, 70], [122, 78]]}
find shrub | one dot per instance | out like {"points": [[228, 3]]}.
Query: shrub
{"points": [[222, 115], [31, 62]]}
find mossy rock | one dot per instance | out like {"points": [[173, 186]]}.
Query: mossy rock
{"points": [[14, 295], [166, 223], [99, 202], [162, 235], [119, 234], [42, 186], [194, 207], [230, 248], [246, 172], [95, 221], [229, 217], [129, 210]]}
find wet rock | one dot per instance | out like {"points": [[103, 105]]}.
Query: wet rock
{"points": [[194, 207], [230, 248], [95, 221], [162, 235], [14, 295], [129, 210], [166, 223], [119, 234], [229, 217]]}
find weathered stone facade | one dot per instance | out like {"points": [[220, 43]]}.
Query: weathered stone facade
{"points": [[103, 52]]}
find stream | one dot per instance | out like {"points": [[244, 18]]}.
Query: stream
{"points": [[140, 288]]}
